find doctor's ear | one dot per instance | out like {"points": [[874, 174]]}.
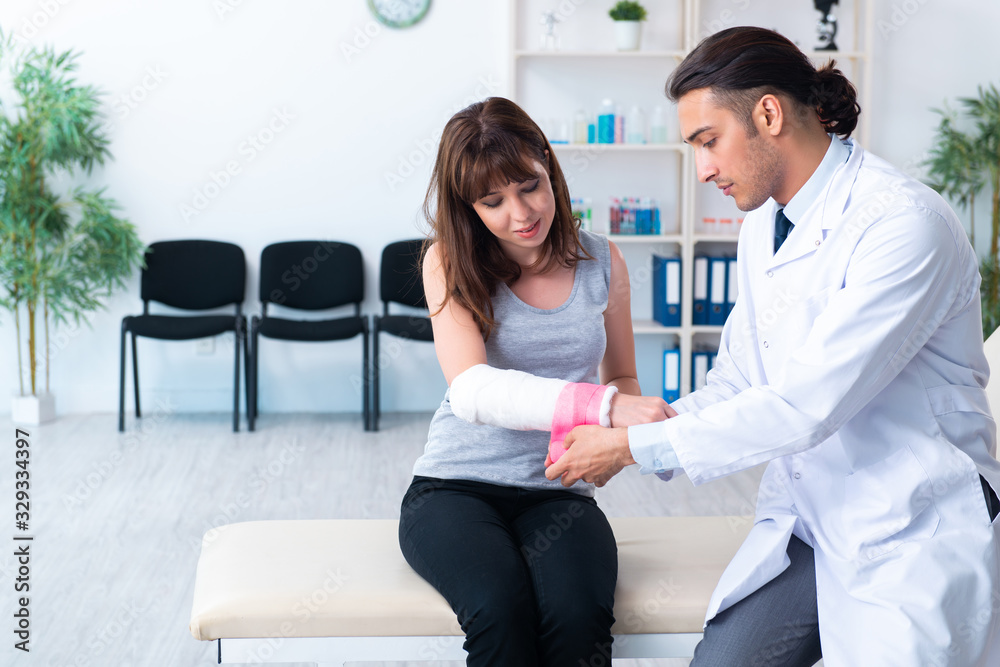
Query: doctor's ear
{"points": [[769, 115]]}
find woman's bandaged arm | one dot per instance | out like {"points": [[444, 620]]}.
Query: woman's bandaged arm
{"points": [[517, 400]]}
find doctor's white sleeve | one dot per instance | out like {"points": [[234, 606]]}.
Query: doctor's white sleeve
{"points": [[908, 273], [650, 443]]}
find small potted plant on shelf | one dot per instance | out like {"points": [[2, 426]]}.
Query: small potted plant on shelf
{"points": [[628, 17], [60, 251], [961, 164]]}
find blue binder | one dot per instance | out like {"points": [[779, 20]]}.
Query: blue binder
{"points": [[717, 290], [700, 293], [671, 375], [699, 369], [667, 290], [731, 288]]}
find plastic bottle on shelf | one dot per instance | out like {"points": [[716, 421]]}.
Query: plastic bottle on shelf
{"points": [[635, 126], [560, 131], [580, 127], [606, 123], [645, 225], [658, 127], [619, 125]]}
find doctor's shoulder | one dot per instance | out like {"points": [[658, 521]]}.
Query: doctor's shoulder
{"points": [[885, 194]]}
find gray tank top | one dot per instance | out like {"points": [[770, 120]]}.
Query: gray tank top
{"points": [[566, 342]]}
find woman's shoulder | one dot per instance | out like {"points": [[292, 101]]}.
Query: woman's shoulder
{"points": [[596, 245]]}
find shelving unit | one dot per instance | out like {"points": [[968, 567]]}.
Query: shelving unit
{"points": [[554, 84]]}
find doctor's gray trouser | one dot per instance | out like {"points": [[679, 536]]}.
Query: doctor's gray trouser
{"points": [[778, 624], [775, 626]]}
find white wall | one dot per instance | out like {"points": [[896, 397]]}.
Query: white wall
{"points": [[347, 124]]}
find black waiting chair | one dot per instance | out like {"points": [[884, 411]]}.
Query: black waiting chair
{"points": [[192, 275], [400, 281], [309, 275]]}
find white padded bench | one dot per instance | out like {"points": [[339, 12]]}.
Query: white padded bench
{"points": [[333, 591]]}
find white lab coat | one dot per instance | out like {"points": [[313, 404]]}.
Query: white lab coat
{"points": [[853, 362]]}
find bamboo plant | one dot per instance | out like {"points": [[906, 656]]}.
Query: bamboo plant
{"points": [[61, 250], [961, 164]]}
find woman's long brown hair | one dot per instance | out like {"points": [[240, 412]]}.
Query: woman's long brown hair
{"points": [[485, 147]]}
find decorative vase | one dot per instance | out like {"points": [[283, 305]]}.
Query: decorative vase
{"points": [[627, 34], [33, 409]]}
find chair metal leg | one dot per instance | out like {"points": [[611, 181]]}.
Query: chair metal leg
{"points": [[376, 397], [246, 371], [236, 376], [366, 385], [135, 375], [252, 381], [121, 382]]}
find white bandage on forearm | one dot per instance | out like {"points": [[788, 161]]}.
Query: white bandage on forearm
{"points": [[506, 398], [605, 415]]}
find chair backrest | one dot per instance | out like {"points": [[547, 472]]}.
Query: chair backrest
{"points": [[194, 274], [312, 275], [400, 279]]}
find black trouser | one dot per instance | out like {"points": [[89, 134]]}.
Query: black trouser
{"points": [[530, 574]]}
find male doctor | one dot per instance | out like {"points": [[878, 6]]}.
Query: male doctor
{"points": [[853, 362]]}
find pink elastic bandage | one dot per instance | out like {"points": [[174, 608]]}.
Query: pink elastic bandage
{"points": [[579, 403]]}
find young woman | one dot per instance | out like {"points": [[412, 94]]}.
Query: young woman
{"points": [[533, 330]]}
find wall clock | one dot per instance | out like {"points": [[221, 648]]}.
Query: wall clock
{"points": [[399, 13]]}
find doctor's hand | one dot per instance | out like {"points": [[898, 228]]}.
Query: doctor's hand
{"points": [[594, 454], [629, 410]]}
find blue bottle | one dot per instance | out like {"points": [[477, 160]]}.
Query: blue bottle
{"points": [[606, 123]]}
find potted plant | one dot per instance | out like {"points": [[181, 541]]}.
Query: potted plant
{"points": [[961, 164], [61, 252], [628, 17]]}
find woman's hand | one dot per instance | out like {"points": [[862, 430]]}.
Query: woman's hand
{"points": [[628, 410]]}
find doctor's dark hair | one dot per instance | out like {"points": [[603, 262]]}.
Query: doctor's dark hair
{"points": [[483, 148], [740, 65]]}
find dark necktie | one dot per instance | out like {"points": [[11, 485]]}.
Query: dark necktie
{"points": [[782, 226]]}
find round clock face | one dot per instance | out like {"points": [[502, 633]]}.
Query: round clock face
{"points": [[399, 13]]}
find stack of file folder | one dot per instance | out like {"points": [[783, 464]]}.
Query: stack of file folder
{"points": [[702, 361], [714, 289], [713, 296]]}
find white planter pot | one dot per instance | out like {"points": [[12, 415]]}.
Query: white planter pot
{"points": [[33, 409], [627, 34]]}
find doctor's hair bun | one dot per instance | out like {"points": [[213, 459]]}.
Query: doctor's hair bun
{"points": [[836, 100], [740, 65]]}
